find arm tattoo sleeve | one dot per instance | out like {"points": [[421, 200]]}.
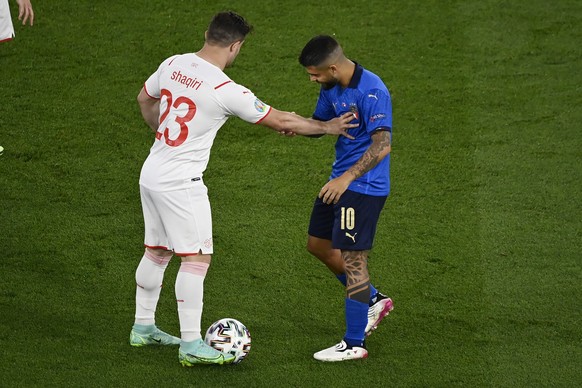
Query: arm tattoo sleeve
{"points": [[373, 155]]}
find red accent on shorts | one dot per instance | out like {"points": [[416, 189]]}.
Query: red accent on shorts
{"points": [[262, 118], [149, 95], [155, 247], [167, 249], [5, 40], [221, 85]]}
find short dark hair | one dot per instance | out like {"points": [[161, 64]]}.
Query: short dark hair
{"points": [[227, 28], [318, 50]]}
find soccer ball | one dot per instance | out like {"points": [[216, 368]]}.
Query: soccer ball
{"points": [[229, 336]]}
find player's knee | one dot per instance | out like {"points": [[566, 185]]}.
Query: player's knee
{"points": [[199, 258], [318, 251], [312, 247], [159, 252], [148, 277]]}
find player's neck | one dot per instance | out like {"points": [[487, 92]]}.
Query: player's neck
{"points": [[347, 71], [214, 56]]}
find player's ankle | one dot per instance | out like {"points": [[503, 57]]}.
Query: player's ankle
{"points": [[354, 342], [143, 329]]}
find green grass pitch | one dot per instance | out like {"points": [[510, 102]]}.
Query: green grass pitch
{"points": [[479, 244]]}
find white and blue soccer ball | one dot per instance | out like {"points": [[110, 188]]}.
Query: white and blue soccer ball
{"points": [[229, 336]]}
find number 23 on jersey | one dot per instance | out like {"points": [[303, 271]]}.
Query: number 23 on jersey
{"points": [[181, 120]]}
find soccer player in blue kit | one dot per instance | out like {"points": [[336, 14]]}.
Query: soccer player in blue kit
{"points": [[346, 211]]}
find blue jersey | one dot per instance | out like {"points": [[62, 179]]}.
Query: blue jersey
{"points": [[369, 99]]}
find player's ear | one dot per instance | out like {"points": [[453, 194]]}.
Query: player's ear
{"points": [[236, 45]]}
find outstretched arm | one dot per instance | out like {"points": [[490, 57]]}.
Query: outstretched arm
{"points": [[286, 122], [150, 109], [378, 150]]}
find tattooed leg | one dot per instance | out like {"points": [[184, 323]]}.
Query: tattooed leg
{"points": [[358, 279]]}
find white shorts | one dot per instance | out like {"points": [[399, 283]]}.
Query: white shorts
{"points": [[6, 27], [178, 220]]}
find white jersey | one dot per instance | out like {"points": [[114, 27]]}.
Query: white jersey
{"points": [[196, 99]]}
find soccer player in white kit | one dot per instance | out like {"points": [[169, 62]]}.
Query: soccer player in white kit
{"points": [[186, 101], [25, 13]]}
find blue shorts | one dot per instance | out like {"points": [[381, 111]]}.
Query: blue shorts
{"points": [[350, 224]]}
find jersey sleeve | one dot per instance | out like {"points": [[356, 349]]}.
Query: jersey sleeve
{"points": [[152, 84], [241, 102], [377, 110], [323, 109]]}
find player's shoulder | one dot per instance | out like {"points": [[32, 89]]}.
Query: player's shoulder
{"points": [[227, 86], [169, 60], [371, 81], [372, 89]]}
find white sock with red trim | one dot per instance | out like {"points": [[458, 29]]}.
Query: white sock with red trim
{"points": [[149, 276], [189, 295]]}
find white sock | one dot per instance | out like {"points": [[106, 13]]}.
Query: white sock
{"points": [[149, 276], [189, 295]]}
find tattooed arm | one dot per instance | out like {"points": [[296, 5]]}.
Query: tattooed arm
{"points": [[378, 150]]}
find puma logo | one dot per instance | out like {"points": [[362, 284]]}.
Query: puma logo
{"points": [[352, 237], [373, 96]]}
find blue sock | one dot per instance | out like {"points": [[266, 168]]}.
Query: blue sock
{"points": [[356, 321], [343, 279], [373, 292]]}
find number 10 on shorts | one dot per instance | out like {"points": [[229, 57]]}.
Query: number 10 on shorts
{"points": [[348, 218]]}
